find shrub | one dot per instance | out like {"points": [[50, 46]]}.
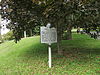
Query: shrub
{"points": [[8, 36]]}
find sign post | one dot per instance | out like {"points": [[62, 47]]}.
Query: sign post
{"points": [[50, 60], [48, 36]]}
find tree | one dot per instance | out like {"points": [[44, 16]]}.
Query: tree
{"points": [[21, 14], [62, 14]]}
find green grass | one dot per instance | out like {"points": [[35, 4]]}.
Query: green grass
{"points": [[30, 57]]}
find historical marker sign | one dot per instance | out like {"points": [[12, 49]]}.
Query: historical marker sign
{"points": [[48, 35]]}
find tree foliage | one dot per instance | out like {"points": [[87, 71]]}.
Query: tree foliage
{"points": [[27, 14]]}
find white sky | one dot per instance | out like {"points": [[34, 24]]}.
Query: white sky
{"points": [[4, 30], [3, 23]]}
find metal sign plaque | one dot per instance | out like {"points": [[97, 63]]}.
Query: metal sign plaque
{"points": [[48, 35]]}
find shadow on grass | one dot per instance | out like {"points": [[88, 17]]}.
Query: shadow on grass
{"points": [[37, 50], [80, 50], [69, 52]]}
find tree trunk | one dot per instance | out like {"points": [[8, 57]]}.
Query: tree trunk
{"points": [[0, 30], [60, 51], [0, 35], [59, 37], [69, 33], [24, 34], [31, 34]]}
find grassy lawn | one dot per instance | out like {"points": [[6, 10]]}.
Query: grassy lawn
{"points": [[30, 57]]}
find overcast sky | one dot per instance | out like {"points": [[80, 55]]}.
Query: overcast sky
{"points": [[4, 30], [3, 23]]}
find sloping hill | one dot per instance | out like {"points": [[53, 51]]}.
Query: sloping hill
{"points": [[30, 57]]}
